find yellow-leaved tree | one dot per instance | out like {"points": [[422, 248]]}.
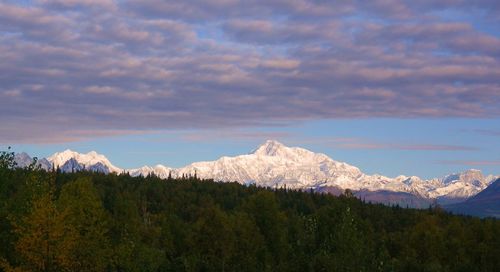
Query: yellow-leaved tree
{"points": [[45, 240], [82, 204], [64, 234]]}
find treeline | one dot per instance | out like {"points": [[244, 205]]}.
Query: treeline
{"points": [[52, 221]]}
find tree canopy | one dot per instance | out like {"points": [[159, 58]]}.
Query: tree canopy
{"points": [[84, 221]]}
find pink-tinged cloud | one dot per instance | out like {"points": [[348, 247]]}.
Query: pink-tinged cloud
{"points": [[154, 64], [107, 4], [471, 163], [233, 135], [434, 147], [488, 132], [355, 143]]}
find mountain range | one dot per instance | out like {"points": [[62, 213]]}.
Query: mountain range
{"points": [[485, 203], [273, 164]]}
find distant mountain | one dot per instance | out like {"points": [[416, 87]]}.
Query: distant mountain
{"points": [[72, 165], [486, 203], [395, 198], [460, 186], [273, 164], [159, 171], [385, 197], [23, 160], [276, 165], [69, 161]]}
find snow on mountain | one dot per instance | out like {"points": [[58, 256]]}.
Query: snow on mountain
{"points": [[91, 161], [159, 170], [72, 165], [462, 185], [141, 171], [24, 160], [44, 163], [485, 204], [273, 164]]}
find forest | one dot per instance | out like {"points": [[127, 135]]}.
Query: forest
{"points": [[85, 221]]}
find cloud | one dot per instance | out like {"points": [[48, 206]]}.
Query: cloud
{"points": [[154, 65], [107, 4], [471, 163], [278, 33], [425, 147], [34, 23], [238, 135], [488, 132], [204, 10], [355, 143], [366, 144]]}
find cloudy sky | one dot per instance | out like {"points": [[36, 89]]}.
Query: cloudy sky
{"points": [[393, 87]]}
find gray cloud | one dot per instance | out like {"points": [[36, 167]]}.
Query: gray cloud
{"points": [[70, 69]]}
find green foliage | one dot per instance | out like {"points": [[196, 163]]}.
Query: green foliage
{"points": [[86, 215], [52, 221], [7, 160]]}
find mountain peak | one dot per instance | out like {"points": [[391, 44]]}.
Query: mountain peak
{"points": [[67, 151], [87, 160], [59, 158], [269, 148]]}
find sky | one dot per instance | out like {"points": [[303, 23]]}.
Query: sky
{"points": [[393, 87]]}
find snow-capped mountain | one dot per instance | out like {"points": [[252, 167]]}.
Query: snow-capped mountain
{"points": [[273, 164], [462, 185], [24, 160], [485, 204], [159, 171], [69, 161]]}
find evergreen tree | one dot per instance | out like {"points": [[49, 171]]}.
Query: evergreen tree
{"points": [[80, 201], [46, 241]]}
